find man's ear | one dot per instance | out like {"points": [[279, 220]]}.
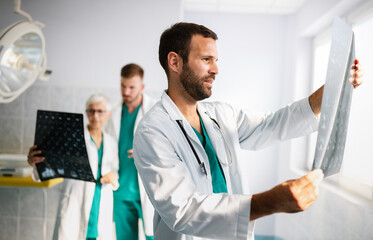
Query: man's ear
{"points": [[175, 63]]}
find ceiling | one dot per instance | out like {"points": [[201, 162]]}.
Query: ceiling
{"points": [[245, 6]]}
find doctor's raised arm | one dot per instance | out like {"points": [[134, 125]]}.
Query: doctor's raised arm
{"points": [[187, 152]]}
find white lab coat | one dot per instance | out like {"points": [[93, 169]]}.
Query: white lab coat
{"points": [[180, 192], [77, 196], [113, 128]]}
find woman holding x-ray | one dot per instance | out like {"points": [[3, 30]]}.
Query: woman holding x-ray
{"points": [[86, 209]]}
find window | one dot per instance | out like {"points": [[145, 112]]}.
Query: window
{"points": [[357, 169]]}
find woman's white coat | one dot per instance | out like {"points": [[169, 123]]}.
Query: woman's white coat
{"points": [[77, 196]]}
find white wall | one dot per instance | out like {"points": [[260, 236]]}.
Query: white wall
{"points": [[88, 41], [251, 51]]}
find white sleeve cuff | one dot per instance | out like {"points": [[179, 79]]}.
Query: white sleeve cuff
{"points": [[245, 227]]}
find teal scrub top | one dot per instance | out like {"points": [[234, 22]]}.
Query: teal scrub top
{"points": [[92, 231], [218, 180], [128, 180]]}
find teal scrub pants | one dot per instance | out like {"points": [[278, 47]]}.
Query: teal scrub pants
{"points": [[126, 217]]}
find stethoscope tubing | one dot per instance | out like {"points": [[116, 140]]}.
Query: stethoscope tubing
{"points": [[200, 163]]}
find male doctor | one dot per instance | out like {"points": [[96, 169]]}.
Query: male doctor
{"points": [[186, 151], [130, 200]]}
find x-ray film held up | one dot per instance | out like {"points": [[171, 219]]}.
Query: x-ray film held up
{"points": [[336, 102], [60, 136]]}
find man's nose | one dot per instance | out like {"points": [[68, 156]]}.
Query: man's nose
{"points": [[126, 91], [214, 69]]}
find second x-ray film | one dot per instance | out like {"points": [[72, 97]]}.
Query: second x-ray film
{"points": [[60, 136], [336, 101]]}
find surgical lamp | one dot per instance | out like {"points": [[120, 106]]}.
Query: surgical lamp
{"points": [[22, 56]]}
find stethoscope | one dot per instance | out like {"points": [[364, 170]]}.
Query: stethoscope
{"points": [[200, 163]]}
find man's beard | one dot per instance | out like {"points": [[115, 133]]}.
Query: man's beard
{"points": [[193, 84]]}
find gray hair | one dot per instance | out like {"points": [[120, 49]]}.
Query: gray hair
{"points": [[98, 97]]}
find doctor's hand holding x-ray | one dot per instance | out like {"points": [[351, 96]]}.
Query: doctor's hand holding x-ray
{"points": [[187, 152]]}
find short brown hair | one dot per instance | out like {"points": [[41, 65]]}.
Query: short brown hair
{"points": [[177, 39], [131, 70]]}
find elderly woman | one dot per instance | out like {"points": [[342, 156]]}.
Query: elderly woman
{"points": [[86, 208]]}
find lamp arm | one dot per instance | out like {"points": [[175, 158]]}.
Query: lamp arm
{"points": [[8, 99], [44, 73], [17, 9]]}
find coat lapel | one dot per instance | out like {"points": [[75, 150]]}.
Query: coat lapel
{"points": [[175, 115], [214, 134]]}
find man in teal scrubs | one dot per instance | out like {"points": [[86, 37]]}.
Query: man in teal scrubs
{"points": [[130, 200]]}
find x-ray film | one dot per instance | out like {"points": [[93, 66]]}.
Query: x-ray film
{"points": [[60, 136], [336, 102]]}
